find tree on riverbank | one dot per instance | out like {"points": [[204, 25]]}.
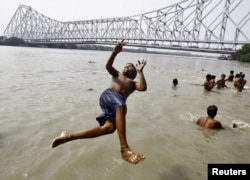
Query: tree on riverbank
{"points": [[242, 54], [13, 41]]}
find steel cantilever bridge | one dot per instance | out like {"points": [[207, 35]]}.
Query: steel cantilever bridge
{"points": [[215, 26]]}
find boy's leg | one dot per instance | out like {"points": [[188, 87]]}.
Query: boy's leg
{"points": [[127, 154], [107, 128]]}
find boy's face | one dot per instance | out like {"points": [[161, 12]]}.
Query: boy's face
{"points": [[129, 71]]}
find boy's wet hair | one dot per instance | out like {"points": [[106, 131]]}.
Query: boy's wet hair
{"points": [[208, 76], [212, 110], [175, 81]]}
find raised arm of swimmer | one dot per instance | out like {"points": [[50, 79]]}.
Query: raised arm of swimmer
{"points": [[141, 85], [109, 65]]}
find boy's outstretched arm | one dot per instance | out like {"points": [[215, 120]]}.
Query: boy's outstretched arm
{"points": [[141, 85], [109, 65]]}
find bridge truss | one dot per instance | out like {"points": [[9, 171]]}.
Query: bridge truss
{"points": [[193, 25]]}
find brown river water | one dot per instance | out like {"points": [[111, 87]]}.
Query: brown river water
{"points": [[44, 91]]}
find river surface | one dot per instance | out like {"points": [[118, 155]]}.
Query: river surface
{"points": [[44, 91]]}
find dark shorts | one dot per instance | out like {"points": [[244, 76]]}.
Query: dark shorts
{"points": [[109, 101]]}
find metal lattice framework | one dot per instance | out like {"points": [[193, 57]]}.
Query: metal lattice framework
{"points": [[198, 25]]}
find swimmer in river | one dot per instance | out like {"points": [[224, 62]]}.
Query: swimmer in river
{"points": [[209, 83], [209, 122], [175, 82], [221, 83]]}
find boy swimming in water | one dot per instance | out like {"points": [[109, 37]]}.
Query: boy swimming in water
{"points": [[209, 122]]}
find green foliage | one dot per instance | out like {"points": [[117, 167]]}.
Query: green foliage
{"points": [[242, 54], [245, 58], [62, 46], [94, 47], [14, 41]]}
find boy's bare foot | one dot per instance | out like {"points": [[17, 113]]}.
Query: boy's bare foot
{"points": [[131, 156], [61, 139]]}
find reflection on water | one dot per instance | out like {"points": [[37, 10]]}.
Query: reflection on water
{"points": [[45, 91]]}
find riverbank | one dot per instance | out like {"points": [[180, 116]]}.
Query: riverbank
{"points": [[19, 42]]}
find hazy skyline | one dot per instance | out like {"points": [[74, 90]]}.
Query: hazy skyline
{"points": [[65, 10]]}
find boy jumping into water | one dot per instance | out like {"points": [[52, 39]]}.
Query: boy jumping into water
{"points": [[113, 104]]}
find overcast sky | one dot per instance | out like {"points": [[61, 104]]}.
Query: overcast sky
{"points": [[72, 10]]}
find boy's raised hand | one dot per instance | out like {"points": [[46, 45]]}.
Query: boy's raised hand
{"points": [[140, 65], [118, 47]]}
